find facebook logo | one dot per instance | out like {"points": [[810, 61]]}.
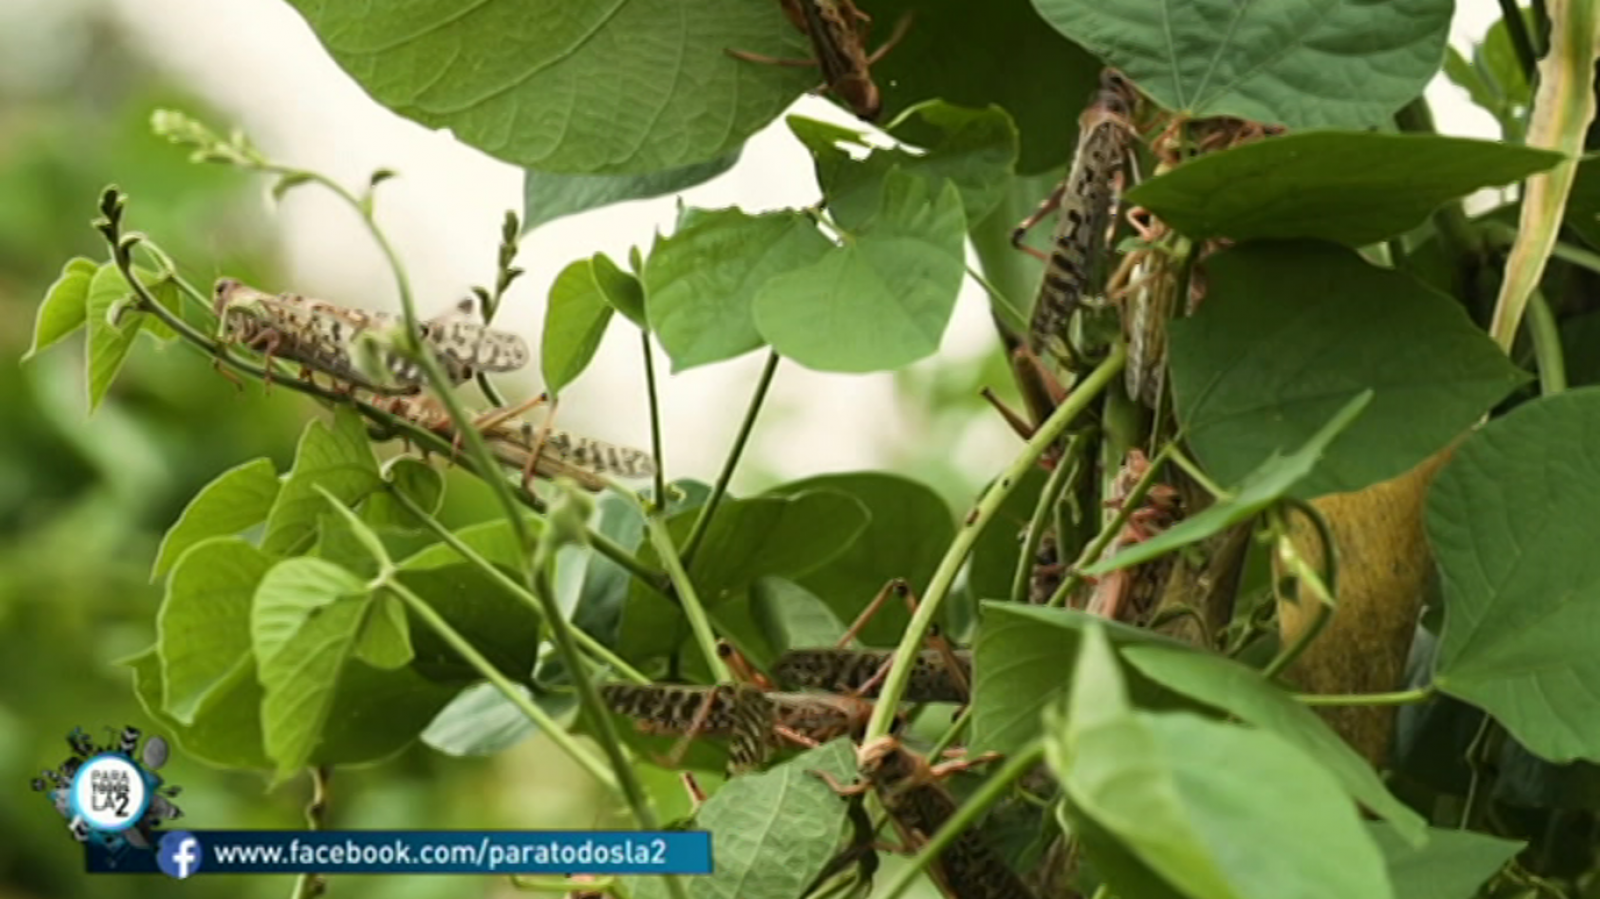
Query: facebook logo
{"points": [[179, 854]]}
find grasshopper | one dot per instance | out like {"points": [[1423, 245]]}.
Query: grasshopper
{"points": [[941, 674], [542, 451], [757, 722], [838, 33], [334, 340], [918, 804], [1128, 593], [860, 672], [1083, 203]]}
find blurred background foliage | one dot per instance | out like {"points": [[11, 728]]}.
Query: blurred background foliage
{"points": [[84, 501]]}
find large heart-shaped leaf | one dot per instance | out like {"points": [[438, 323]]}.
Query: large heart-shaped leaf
{"points": [[1292, 331], [883, 299], [238, 498], [547, 196], [1290, 62], [1511, 519], [1353, 188], [582, 88]]}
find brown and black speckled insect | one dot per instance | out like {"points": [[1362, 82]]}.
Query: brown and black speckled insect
{"points": [[912, 792], [1083, 204], [838, 34]]}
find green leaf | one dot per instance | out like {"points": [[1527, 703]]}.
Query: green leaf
{"points": [[635, 87], [621, 289], [237, 499], [1021, 658], [227, 730], [1497, 58], [1112, 861], [1274, 479], [494, 540], [1583, 205], [1353, 188], [881, 301], [1291, 332], [773, 832], [385, 642], [969, 54], [363, 535], [1510, 519], [908, 530], [504, 628], [701, 283], [1183, 793], [787, 614], [203, 627], [1462, 74], [1580, 336], [108, 343], [1291, 62], [419, 481], [547, 196], [974, 149], [340, 460], [1243, 692], [65, 304], [307, 617], [481, 721], [747, 539], [574, 322], [1452, 865], [375, 713]]}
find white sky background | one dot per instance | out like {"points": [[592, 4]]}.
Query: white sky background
{"points": [[258, 62]]}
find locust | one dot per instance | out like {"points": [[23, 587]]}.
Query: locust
{"points": [[1127, 594], [757, 722], [940, 674], [1083, 204], [355, 346], [838, 34], [541, 451], [918, 804]]}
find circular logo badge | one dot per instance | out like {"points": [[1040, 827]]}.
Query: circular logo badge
{"points": [[179, 854], [110, 793]]}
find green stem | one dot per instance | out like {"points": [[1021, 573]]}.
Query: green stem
{"points": [[1475, 765], [1325, 587], [595, 647], [973, 808], [905, 655], [703, 521], [1091, 553], [1546, 346], [1505, 235], [1401, 697], [951, 733], [483, 666], [1199, 477], [1456, 231], [460, 421], [655, 420], [699, 623], [1054, 486], [604, 728]]}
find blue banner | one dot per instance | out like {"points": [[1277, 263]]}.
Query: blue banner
{"points": [[184, 854]]}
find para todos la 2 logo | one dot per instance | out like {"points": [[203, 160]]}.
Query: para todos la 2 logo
{"points": [[110, 794]]}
